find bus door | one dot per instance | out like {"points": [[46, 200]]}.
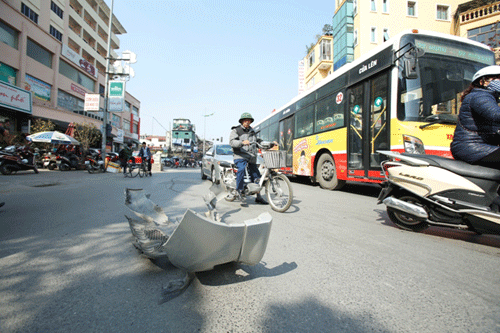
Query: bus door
{"points": [[286, 141], [368, 113]]}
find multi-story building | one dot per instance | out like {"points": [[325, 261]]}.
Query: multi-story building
{"points": [[53, 53], [183, 135], [361, 25], [318, 62], [479, 21]]}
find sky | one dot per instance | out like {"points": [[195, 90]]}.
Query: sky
{"points": [[222, 57]]}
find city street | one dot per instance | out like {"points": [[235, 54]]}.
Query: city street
{"points": [[334, 263]]}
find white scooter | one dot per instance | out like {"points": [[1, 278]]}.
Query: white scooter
{"points": [[423, 190]]}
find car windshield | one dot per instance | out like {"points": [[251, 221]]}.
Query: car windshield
{"points": [[224, 150]]}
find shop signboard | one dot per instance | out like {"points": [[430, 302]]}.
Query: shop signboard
{"points": [[40, 89], [15, 98]]}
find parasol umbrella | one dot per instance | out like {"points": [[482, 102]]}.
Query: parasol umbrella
{"points": [[54, 137]]}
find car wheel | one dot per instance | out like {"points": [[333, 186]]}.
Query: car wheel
{"points": [[203, 176]]}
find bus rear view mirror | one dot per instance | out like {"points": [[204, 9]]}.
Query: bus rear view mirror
{"points": [[411, 68]]}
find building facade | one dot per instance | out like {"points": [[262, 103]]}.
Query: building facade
{"points": [[52, 54], [479, 21], [318, 63]]}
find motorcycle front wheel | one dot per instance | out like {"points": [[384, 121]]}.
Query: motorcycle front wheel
{"points": [[279, 192]]}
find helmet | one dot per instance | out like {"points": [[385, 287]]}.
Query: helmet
{"points": [[247, 115], [486, 71]]}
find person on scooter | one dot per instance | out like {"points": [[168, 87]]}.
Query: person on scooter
{"points": [[145, 153], [243, 141], [125, 155], [477, 135]]}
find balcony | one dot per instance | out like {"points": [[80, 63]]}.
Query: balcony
{"points": [[480, 12]]}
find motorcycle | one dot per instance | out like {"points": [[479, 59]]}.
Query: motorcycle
{"points": [[425, 190], [50, 161], [278, 189], [67, 162], [14, 159], [94, 163]]}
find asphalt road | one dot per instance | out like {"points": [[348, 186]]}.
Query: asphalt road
{"points": [[334, 263]]}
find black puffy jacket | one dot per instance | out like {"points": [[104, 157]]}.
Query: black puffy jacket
{"points": [[478, 129]]}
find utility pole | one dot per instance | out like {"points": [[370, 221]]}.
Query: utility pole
{"points": [[106, 87]]}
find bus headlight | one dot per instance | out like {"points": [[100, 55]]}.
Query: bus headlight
{"points": [[413, 145]]}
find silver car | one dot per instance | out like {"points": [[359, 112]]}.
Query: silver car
{"points": [[218, 153]]}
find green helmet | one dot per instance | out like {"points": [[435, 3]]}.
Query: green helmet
{"points": [[246, 115]]}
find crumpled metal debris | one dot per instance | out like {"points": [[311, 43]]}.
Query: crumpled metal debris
{"points": [[196, 243]]}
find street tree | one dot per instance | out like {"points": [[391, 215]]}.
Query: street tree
{"points": [[87, 134]]}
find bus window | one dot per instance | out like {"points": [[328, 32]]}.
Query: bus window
{"points": [[329, 114], [304, 121], [274, 132]]}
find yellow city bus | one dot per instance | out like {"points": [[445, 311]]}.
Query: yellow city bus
{"points": [[403, 96]]}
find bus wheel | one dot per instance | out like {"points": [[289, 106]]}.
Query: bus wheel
{"points": [[326, 174]]}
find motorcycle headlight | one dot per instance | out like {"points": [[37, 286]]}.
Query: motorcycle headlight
{"points": [[413, 145]]}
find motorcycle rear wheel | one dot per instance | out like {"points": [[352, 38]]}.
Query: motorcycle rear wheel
{"points": [[279, 192], [5, 170], [404, 220]]}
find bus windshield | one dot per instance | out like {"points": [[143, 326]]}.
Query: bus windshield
{"points": [[443, 71]]}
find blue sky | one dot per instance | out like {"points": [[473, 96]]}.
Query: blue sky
{"points": [[197, 57]]}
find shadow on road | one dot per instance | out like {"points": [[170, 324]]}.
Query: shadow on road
{"points": [[235, 273]]}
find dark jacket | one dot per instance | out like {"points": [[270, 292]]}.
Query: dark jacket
{"points": [[145, 152], [478, 129], [237, 136], [125, 154]]}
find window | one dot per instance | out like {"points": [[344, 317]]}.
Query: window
{"points": [[386, 34], [329, 114], [373, 6], [69, 102], [8, 35], [310, 61], [488, 34], [325, 50], [373, 35], [101, 90], [385, 6], [29, 13], [442, 13], [411, 8], [56, 33], [73, 74], [304, 121], [38, 53], [56, 9], [135, 111], [127, 106]]}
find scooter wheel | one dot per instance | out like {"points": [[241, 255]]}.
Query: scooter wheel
{"points": [[404, 220], [5, 170]]}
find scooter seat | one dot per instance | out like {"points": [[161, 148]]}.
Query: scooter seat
{"points": [[460, 167]]}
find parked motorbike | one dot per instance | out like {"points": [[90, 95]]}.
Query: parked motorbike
{"points": [[94, 163], [424, 190], [14, 159], [67, 162], [278, 189], [50, 161]]}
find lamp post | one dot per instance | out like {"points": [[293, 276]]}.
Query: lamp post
{"points": [[204, 129]]}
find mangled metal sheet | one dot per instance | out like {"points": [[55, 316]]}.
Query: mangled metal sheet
{"points": [[196, 243]]}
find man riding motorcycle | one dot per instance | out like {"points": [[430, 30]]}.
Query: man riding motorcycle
{"points": [[242, 139]]}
